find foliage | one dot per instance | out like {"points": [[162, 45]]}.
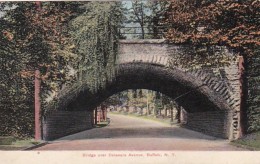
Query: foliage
{"points": [[66, 41], [139, 15], [158, 9], [205, 24], [251, 141], [75, 43], [218, 22], [120, 98], [253, 101], [95, 37], [142, 99], [31, 38], [146, 15], [94, 34]]}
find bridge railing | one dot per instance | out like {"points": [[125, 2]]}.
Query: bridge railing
{"points": [[132, 32]]}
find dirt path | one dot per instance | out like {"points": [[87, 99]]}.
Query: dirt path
{"points": [[130, 133]]}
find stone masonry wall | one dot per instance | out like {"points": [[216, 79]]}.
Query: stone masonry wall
{"points": [[62, 123], [214, 123]]}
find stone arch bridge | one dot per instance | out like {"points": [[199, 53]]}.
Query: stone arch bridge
{"points": [[211, 96]]}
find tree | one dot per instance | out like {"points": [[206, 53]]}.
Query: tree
{"points": [[233, 24], [95, 38], [146, 15], [220, 22], [31, 39], [56, 38], [157, 11], [139, 15]]}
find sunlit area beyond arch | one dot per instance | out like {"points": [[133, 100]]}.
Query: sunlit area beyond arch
{"points": [[144, 103]]}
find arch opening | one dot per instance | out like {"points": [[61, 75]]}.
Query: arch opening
{"points": [[186, 90]]}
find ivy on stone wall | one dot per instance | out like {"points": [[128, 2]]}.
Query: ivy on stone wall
{"points": [[94, 34], [233, 24], [253, 102]]}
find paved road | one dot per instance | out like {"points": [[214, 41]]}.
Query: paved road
{"points": [[130, 133]]}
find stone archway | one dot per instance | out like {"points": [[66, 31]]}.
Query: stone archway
{"points": [[211, 103]]}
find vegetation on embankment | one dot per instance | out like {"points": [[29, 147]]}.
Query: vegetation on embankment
{"points": [[102, 124], [12, 143], [253, 99], [251, 141], [68, 42]]}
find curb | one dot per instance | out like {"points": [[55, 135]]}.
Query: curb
{"points": [[36, 146]]}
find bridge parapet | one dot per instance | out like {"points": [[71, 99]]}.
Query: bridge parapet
{"points": [[152, 51]]}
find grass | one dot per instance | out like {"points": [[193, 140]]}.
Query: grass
{"points": [[250, 141], [164, 121], [101, 124], [18, 144], [6, 140]]}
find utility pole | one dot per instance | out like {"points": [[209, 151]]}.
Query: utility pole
{"points": [[37, 103], [37, 99]]}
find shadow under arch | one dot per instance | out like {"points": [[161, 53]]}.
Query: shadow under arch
{"points": [[197, 97]]}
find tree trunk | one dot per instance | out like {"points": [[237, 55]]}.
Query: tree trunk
{"points": [[178, 114]]}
